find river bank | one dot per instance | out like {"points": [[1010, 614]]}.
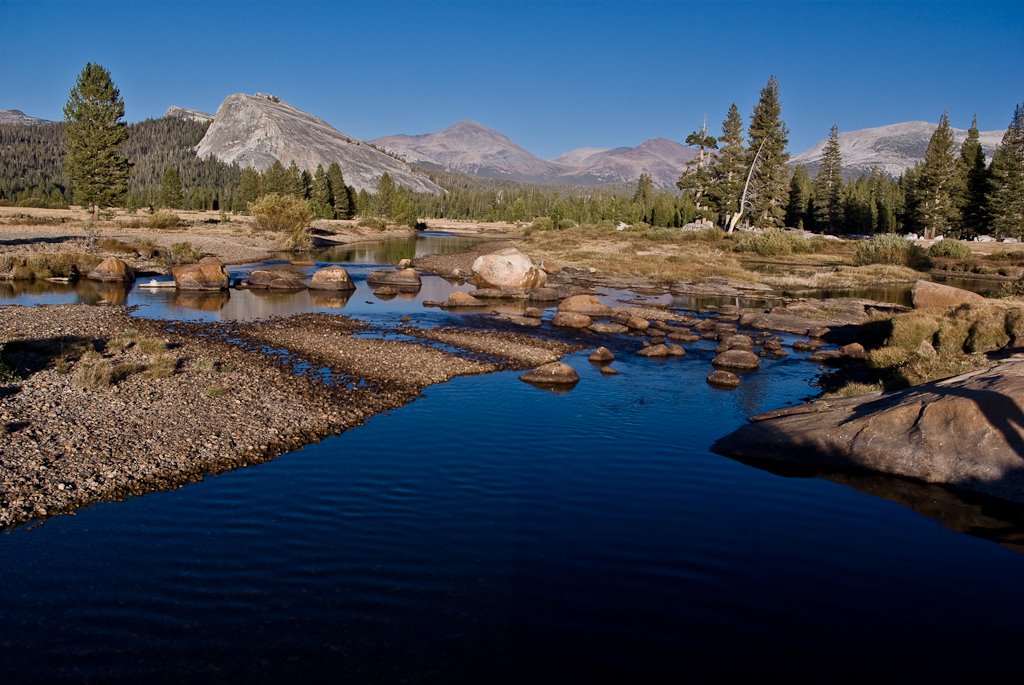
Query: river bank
{"points": [[111, 406]]}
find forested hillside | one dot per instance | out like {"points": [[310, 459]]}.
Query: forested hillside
{"points": [[31, 165]]}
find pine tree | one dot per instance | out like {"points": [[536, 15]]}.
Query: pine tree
{"points": [[644, 196], [95, 135], [974, 214], [767, 158], [937, 187], [320, 195], [385, 197], [828, 186], [343, 202], [296, 188], [275, 179], [696, 178], [799, 206], [728, 170], [1006, 197], [248, 189], [171, 193]]}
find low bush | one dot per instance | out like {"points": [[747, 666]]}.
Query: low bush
{"points": [[889, 248], [284, 214], [372, 222], [163, 219], [180, 253], [774, 242], [948, 248]]}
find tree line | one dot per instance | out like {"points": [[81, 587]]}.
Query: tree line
{"points": [[951, 192]]}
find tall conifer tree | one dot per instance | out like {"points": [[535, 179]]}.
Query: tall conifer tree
{"points": [[320, 195], [828, 186], [769, 185], [95, 134], [171, 193], [728, 170], [937, 188], [799, 206], [974, 214], [343, 201], [1006, 197]]}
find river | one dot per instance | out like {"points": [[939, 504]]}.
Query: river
{"points": [[495, 532]]}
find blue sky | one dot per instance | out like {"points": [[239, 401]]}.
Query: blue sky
{"points": [[552, 75]]}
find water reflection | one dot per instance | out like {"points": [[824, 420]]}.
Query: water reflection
{"points": [[330, 299], [203, 301]]}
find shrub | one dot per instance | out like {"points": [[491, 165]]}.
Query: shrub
{"points": [[949, 248], [854, 388], [93, 372], [163, 219], [181, 253], [162, 365], [889, 248], [771, 243], [706, 235], [286, 214], [541, 223], [372, 222], [40, 266]]}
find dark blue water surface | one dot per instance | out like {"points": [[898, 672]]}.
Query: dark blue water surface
{"points": [[495, 532]]}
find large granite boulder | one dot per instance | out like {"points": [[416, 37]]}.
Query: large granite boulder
{"points": [[508, 268], [403, 279], [112, 270], [966, 431], [741, 360], [585, 304], [926, 294], [570, 320], [331, 278], [208, 274], [276, 279]]}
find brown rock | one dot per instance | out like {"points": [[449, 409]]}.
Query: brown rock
{"points": [[926, 294], [571, 320], [607, 328], [638, 323], [406, 279], [808, 345], [458, 298], [584, 304], [737, 359], [854, 351], [609, 371], [721, 378], [208, 274], [661, 351], [966, 432], [524, 321], [112, 270], [735, 342], [533, 313], [601, 354], [403, 264], [276, 279], [543, 295], [331, 278], [555, 373], [683, 336]]}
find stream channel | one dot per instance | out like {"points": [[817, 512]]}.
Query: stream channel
{"points": [[494, 532]]}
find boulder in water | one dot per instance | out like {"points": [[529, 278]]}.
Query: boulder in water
{"points": [[208, 274], [112, 270], [508, 268], [331, 278]]}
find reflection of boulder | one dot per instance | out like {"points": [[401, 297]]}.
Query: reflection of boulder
{"points": [[966, 431], [331, 299], [204, 301], [508, 268], [276, 279], [332, 278], [208, 274], [112, 269], [112, 292]]}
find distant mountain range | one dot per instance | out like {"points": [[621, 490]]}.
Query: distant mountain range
{"points": [[472, 148], [893, 148], [256, 130], [17, 117]]}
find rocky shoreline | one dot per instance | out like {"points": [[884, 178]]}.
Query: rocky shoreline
{"points": [[185, 400]]}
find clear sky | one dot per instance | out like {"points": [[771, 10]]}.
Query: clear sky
{"points": [[553, 75]]}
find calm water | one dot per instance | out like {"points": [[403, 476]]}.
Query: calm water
{"points": [[494, 532]]}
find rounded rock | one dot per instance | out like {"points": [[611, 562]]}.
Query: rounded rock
{"points": [[332, 278], [570, 320], [601, 354], [555, 373], [721, 378], [742, 360]]}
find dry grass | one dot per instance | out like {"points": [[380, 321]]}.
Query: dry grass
{"points": [[40, 266], [926, 345], [844, 277]]}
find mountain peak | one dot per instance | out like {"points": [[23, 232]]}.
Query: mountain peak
{"points": [[16, 116], [257, 130], [186, 113]]}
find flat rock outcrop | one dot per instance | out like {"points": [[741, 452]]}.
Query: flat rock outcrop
{"points": [[332, 278], [926, 295], [585, 304], [966, 431], [112, 270], [208, 274], [508, 268], [276, 279]]}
